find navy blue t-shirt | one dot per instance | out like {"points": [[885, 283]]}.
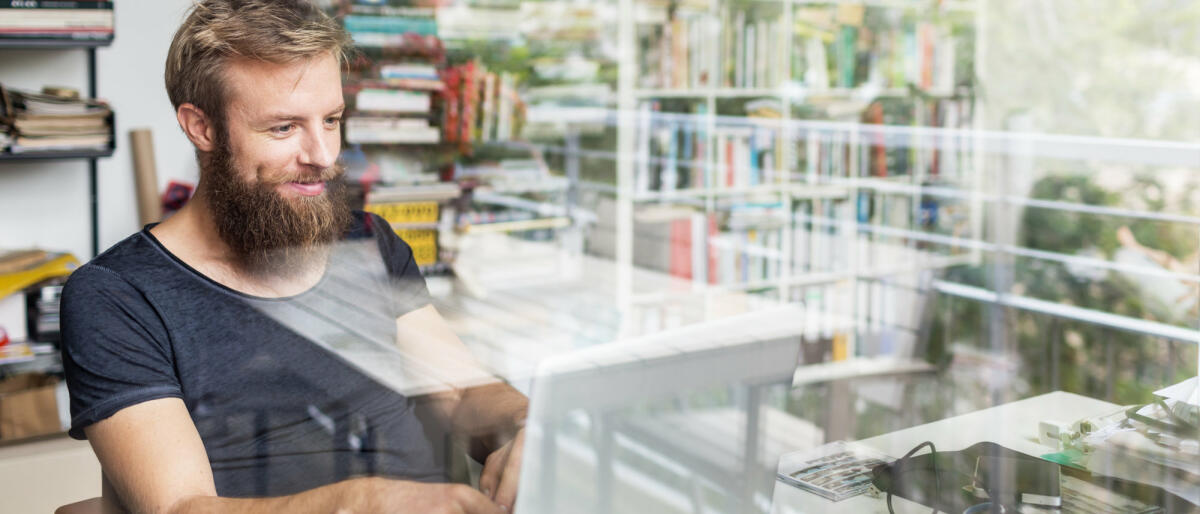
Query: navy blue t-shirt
{"points": [[277, 407]]}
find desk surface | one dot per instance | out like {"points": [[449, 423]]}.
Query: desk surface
{"points": [[1013, 425]]}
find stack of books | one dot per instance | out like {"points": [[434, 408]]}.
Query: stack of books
{"points": [[393, 97], [56, 19], [395, 108], [43, 122]]}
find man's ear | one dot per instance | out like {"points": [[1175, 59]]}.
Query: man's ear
{"points": [[197, 126]]}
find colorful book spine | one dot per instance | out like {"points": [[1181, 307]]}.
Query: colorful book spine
{"points": [[355, 23]]}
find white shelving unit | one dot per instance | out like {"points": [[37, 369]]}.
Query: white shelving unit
{"points": [[789, 185]]}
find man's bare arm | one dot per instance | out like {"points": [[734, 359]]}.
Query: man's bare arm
{"points": [[474, 401], [156, 462]]}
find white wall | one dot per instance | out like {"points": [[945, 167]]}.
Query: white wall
{"points": [[45, 204]]}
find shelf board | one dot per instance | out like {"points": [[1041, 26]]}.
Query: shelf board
{"points": [[776, 92], [44, 43], [56, 155], [515, 226], [705, 93], [793, 190]]}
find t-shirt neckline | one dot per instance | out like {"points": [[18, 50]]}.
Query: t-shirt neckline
{"points": [[145, 232]]}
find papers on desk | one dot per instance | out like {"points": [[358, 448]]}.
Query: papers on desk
{"points": [[1186, 391], [835, 471], [1140, 447]]}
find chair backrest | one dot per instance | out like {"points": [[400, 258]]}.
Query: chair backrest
{"points": [[89, 506]]}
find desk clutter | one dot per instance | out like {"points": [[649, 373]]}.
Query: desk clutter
{"points": [[54, 120], [1114, 459], [977, 477], [1157, 444]]}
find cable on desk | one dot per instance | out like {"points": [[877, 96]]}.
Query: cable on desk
{"points": [[937, 481]]}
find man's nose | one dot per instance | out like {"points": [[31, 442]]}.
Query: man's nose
{"points": [[320, 149]]}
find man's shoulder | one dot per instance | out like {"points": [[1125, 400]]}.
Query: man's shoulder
{"points": [[364, 225], [135, 256]]}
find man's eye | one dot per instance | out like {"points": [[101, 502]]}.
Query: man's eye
{"points": [[333, 120], [283, 129]]}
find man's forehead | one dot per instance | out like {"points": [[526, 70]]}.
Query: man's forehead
{"points": [[260, 88]]}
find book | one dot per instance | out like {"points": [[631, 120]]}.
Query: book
{"points": [[56, 4], [24, 121], [835, 471], [411, 84], [392, 100], [367, 130], [423, 243], [24, 144], [435, 192], [359, 24], [55, 21], [28, 104], [404, 213], [408, 71]]}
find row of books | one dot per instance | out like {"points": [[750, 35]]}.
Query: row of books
{"points": [[56, 19], [674, 53], [707, 248], [681, 50], [853, 46], [830, 47], [55, 120], [753, 53], [480, 105], [746, 246], [750, 246], [673, 153]]}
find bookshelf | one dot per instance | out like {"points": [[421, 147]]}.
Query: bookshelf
{"points": [[89, 46], [475, 115], [793, 89]]}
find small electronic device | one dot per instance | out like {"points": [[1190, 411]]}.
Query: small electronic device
{"points": [[983, 473], [1017, 478]]}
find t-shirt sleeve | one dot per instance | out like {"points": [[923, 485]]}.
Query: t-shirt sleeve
{"points": [[115, 348], [408, 289]]}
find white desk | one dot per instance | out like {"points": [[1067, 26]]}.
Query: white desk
{"points": [[1013, 425]]}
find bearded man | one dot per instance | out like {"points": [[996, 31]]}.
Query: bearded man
{"points": [[201, 352]]}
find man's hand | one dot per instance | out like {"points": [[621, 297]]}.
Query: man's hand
{"points": [[385, 496], [501, 471]]}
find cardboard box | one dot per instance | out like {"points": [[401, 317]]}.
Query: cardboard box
{"points": [[28, 406]]}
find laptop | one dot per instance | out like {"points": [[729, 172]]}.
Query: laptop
{"points": [[669, 422]]}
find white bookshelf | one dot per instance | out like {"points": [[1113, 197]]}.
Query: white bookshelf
{"points": [[789, 185]]}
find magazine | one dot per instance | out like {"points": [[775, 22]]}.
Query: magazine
{"points": [[835, 471]]}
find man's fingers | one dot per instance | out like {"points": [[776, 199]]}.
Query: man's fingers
{"points": [[506, 491], [472, 502], [493, 466]]}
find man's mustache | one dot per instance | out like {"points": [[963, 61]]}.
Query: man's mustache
{"points": [[314, 175]]}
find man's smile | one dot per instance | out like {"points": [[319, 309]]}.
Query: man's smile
{"points": [[306, 188]]}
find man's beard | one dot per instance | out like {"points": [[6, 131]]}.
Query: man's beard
{"points": [[268, 234]]}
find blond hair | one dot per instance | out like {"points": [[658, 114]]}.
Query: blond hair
{"points": [[218, 31]]}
